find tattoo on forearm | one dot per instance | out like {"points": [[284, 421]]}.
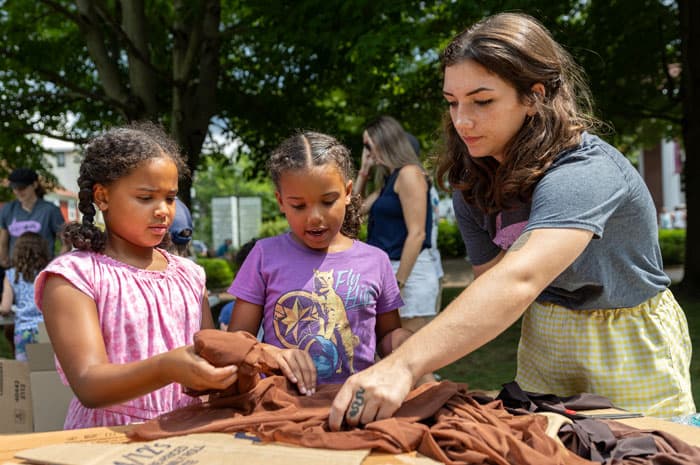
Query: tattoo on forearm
{"points": [[357, 402], [520, 242]]}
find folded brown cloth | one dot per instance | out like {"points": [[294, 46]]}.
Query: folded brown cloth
{"points": [[439, 420], [221, 348]]}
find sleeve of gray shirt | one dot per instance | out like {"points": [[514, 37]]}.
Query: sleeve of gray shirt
{"points": [[480, 247]]}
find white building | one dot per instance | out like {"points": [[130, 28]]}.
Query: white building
{"points": [[63, 160], [662, 169]]}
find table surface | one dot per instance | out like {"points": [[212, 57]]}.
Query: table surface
{"points": [[11, 443]]}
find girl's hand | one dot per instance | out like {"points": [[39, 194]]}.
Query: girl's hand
{"points": [[184, 366], [298, 367]]}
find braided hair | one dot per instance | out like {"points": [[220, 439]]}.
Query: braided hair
{"points": [[308, 148], [109, 157]]}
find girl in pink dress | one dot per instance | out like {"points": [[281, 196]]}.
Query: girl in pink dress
{"points": [[120, 312]]}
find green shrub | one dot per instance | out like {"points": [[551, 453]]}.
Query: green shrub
{"points": [[362, 233], [218, 271], [672, 243], [274, 227], [450, 242]]}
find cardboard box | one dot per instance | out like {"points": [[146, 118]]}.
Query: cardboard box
{"points": [[50, 398], [15, 397]]}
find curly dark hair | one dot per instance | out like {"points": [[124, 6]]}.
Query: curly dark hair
{"points": [[30, 255], [521, 51], [308, 148], [109, 157]]}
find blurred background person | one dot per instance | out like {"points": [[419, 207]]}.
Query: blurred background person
{"points": [[665, 219], [29, 257], [400, 216], [435, 205], [181, 231], [224, 250], [29, 212], [227, 309], [679, 217]]}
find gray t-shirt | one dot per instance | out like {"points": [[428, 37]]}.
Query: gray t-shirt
{"points": [[45, 219], [591, 187]]}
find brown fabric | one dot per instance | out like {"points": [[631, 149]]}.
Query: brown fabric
{"points": [[439, 420], [221, 348], [462, 430]]}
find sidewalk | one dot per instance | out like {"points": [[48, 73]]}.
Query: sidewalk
{"points": [[458, 272]]}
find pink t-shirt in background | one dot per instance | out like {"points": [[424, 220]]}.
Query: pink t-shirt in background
{"points": [[141, 314]]}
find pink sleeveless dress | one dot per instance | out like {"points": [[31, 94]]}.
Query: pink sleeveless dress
{"points": [[142, 313]]}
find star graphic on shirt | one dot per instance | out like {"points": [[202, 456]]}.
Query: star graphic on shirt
{"points": [[292, 315]]}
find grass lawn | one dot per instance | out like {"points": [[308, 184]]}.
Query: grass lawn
{"points": [[494, 364]]}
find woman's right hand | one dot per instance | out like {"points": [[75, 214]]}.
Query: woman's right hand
{"points": [[298, 367], [184, 366], [373, 394]]}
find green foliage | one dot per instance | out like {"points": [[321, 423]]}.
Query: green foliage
{"points": [[274, 227], [72, 69], [672, 243], [243, 74], [631, 66], [272, 77], [218, 271], [362, 233], [450, 241]]}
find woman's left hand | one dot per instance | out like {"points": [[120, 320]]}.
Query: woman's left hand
{"points": [[373, 394]]}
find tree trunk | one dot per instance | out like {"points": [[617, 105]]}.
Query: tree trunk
{"points": [[196, 50], [141, 76], [689, 11]]}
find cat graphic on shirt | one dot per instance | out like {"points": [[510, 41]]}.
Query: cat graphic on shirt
{"points": [[333, 315]]}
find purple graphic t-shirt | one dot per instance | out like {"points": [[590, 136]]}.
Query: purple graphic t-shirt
{"points": [[323, 303], [45, 219]]}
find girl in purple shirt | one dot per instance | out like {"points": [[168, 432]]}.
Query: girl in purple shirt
{"points": [[328, 301]]}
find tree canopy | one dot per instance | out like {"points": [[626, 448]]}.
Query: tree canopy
{"points": [[256, 71], [225, 73]]}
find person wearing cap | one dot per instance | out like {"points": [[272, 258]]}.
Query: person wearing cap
{"points": [[180, 231], [29, 212]]}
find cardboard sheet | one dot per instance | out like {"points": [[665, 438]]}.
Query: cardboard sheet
{"points": [[10, 444], [194, 449]]}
